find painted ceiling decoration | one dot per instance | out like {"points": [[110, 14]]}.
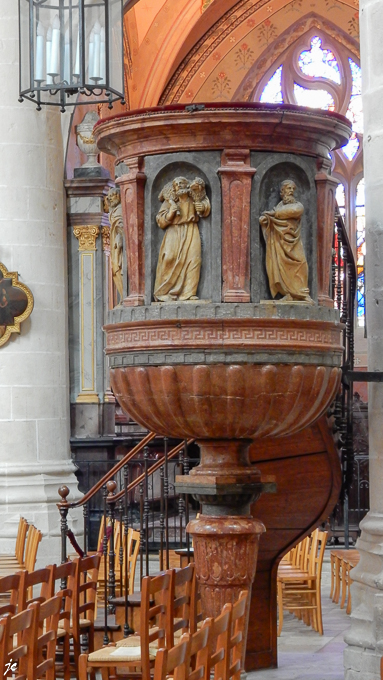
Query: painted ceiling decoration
{"points": [[231, 58]]}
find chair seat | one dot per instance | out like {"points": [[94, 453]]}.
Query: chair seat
{"points": [[135, 641], [130, 654]]}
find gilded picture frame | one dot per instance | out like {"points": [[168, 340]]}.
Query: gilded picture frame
{"points": [[16, 304]]}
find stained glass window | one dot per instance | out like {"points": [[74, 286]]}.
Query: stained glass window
{"points": [[319, 63], [315, 99], [355, 112], [272, 94], [352, 148], [360, 252], [341, 199]]}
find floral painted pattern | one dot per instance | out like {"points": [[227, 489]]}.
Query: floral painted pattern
{"points": [[244, 57]]}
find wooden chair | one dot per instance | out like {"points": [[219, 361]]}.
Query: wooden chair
{"points": [[84, 588], [17, 559], [198, 654], [219, 659], [41, 664], [9, 593], [137, 653], [29, 581], [64, 573], [182, 619], [34, 537], [171, 662], [299, 591], [237, 641], [19, 627]]}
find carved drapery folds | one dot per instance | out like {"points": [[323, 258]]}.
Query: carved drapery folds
{"points": [[113, 206], [179, 260], [286, 263], [236, 177]]}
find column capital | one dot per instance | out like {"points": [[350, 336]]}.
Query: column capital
{"points": [[105, 233], [87, 235]]}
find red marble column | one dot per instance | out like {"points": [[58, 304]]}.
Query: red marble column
{"points": [[326, 188], [236, 176], [132, 187]]}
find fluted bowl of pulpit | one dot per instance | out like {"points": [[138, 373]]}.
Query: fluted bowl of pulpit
{"points": [[241, 378]]}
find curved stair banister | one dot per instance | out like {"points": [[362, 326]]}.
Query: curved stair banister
{"points": [[153, 468], [64, 506]]}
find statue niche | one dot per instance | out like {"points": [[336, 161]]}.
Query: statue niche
{"points": [[286, 263], [179, 260], [114, 208]]}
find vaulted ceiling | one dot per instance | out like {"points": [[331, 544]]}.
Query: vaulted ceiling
{"points": [[218, 50]]}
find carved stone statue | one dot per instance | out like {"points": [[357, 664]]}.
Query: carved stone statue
{"points": [[179, 260], [113, 206], [286, 262]]}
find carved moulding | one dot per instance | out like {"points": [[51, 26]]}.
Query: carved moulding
{"points": [[16, 303], [225, 553]]}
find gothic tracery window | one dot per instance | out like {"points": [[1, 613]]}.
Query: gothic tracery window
{"points": [[319, 72]]}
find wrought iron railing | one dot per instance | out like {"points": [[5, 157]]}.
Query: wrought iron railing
{"points": [[343, 293], [138, 492]]}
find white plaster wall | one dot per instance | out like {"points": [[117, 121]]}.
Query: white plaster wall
{"points": [[34, 401], [365, 638]]}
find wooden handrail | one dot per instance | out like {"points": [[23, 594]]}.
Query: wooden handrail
{"points": [[116, 468], [153, 468]]}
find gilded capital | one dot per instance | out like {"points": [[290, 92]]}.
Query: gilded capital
{"points": [[87, 236], [105, 233]]}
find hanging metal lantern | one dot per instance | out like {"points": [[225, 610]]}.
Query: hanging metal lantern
{"points": [[71, 47]]}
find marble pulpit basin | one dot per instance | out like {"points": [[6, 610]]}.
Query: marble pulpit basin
{"points": [[231, 365]]}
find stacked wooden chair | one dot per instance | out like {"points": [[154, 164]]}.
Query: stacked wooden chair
{"points": [[342, 561], [60, 616], [167, 611], [299, 582], [17, 559]]}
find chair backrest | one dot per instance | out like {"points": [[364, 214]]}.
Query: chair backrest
{"points": [[41, 664], [29, 581], [19, 627], [321, 546], [182, 583], [219, 658], [20, 540], [155, 614], [33, 539], [133, 550], [84, 588], [63, 574], [237, 635], [197, 666], [10, 584], [171, 662]]}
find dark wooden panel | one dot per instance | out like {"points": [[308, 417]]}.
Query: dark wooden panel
{"points": [[308, 477]]}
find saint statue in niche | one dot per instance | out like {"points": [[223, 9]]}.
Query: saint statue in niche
{"points": [[286, 263], [179, 260], [113, 207]]}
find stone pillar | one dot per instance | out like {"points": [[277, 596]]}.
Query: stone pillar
{"points": [[132, 187], [326, 188], [91, 295], [236, 176], [34, 399], [365, 637]]}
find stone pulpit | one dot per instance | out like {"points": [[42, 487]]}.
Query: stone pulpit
{"points": [[228, 333]]}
